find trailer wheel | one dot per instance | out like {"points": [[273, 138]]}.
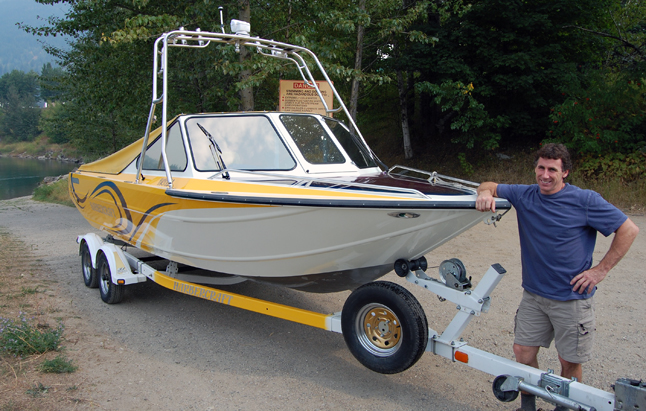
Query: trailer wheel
{"points": [[504, 396], [90, 277], [110, 293], [384, 326]]}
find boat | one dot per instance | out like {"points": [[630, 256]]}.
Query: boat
{"points": [[289, 198]]}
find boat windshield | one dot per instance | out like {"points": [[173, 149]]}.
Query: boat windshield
{"points": [[356, 150], [174, 150], [247, 143], [312, 140]]}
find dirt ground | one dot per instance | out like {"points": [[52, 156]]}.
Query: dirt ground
{"points": [[166, 351]]}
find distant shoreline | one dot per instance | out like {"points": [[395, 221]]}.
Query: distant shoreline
{"points": [[48, 156]]}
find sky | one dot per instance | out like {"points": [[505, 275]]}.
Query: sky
{"points": [[20, 50]]}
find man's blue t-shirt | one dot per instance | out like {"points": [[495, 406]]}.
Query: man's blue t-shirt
{"points": [[558, 234]]}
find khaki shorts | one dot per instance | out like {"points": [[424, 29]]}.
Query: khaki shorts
{"points": [[570, 324]]}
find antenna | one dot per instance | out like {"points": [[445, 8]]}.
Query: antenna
{"points": [[221, 19]]}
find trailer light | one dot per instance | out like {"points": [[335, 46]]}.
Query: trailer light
{"points": [[462, 357], [121, 282]]}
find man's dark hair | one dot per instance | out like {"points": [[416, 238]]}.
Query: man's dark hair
{"points": [[554, 151]]}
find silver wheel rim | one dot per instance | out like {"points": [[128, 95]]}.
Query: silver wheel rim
{"points": [[378, 330], [104, 277], [87, 265]]}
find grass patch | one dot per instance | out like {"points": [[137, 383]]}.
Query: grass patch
{"points": [[37, 390], [37, 147], [22, 338], [59, 365], [29, 290], [630, 196], [54, 193], [10, 406], [40, 146]]}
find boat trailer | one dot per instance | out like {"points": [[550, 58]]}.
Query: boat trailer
{"points": [[383, 324]]}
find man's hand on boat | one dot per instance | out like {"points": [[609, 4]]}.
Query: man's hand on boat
{"points": [[486, 200]]}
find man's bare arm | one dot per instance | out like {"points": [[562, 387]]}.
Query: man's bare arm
{"points": [[624, 237], [486, 196]]}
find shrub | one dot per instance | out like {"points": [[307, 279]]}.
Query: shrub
{"points": [[58, 365], [23, 338], [606, 116], [54, 193], [623, 167], [470, 122]]}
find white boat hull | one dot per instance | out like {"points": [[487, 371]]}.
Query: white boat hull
{"points": [[303, 247]]}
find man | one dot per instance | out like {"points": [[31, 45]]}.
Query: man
{"points": [[558, 225]]}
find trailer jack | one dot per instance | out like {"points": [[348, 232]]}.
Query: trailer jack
{"points": [[552, 388]]}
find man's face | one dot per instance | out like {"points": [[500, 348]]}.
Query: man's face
{"points": [[550, 175]]}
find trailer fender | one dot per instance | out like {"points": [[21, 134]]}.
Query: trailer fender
{"points": [[94, 243], [119, 267]]}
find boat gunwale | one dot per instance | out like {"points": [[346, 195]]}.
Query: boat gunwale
{"points": [[398, 203]]}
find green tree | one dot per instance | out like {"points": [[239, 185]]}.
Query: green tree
{"points": [[109, 63], [515, 53], [19, 94], [622, 33], [55, 123], [468, 74], [50, 82], [602, 117]]}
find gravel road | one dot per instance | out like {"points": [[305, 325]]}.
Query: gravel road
{"points": [[167, 351]]}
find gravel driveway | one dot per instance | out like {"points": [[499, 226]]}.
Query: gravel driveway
{"points": [[163, 350]]}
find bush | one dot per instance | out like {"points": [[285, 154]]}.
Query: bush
{"points": [[54, 122], [54, 193], [22, 338], [58, 365], [607, 116], [470, 122], [623, 167]]}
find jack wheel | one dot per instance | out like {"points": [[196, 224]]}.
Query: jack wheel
{"points": [[90, 278], [504, 396], [384, 327], [110, 293]]}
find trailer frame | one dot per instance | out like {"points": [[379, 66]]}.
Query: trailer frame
{"points": [[511, 376]]}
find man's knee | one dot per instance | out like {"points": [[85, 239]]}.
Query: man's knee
{"points": [[526, 355]]}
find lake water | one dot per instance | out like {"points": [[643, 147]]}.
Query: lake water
{"points": [[19, 176]]}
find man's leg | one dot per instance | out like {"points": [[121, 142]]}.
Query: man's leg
{"points": [[571, 369], [528, 356], [574, 326], [532, 330]]}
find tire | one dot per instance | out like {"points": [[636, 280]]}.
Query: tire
{"points": [[504, 396], [110, 293], [90, 278], [384, 327]]}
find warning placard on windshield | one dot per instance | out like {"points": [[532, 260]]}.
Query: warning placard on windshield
{"points": [[298, 97]]}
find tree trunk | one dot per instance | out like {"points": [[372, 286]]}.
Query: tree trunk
{"points": [[246, 94], [354, 94], [403, 104]]}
